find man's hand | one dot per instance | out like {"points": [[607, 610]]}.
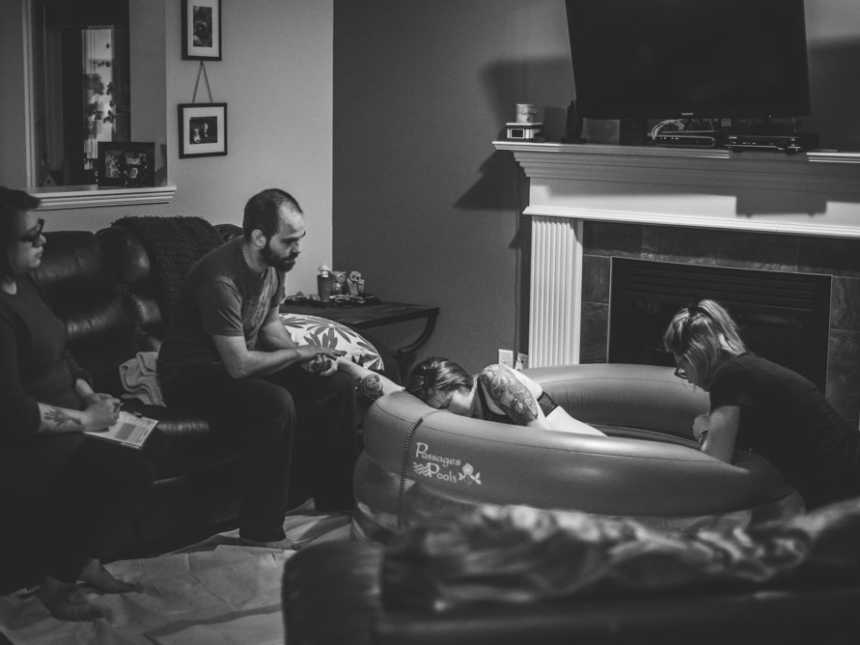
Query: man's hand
{"points": [[311, 352], [323, 362]]}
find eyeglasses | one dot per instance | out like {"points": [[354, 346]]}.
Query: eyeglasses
{"points": [[34, 237]]}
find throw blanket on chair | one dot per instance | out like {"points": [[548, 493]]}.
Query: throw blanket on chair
{"points": [[519, 554], [139, 379], [173, 245]]}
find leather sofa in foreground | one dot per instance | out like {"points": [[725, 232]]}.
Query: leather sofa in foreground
{"points": [[355, 582], [418, 460]]}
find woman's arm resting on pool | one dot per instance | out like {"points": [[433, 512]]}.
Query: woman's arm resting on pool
{"points": [[720, 431], [511, 394], [368, 383], [516, 394], [559, 419]]}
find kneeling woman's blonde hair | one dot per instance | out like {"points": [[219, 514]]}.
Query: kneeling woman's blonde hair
{"points": [[700, 335]]}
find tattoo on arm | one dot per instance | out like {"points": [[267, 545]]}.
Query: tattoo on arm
{"points": [[511, 395], [61, 420], [370, 387]]}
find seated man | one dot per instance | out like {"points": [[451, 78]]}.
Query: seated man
{"points": [[229, 359]]}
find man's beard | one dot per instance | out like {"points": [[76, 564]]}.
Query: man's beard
{"points": [[281, 264]]}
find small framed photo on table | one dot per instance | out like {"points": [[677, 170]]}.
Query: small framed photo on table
{"points": [[127, 164], [202, 129], [201, 29]]}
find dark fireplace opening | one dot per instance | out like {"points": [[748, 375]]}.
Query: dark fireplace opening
{"points": [[783, 316]]}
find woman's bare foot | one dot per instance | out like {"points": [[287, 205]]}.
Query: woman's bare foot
{"points": [[66, 602], [96, 576]]}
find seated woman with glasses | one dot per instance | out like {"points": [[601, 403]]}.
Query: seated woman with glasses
{"points": [[497, 393], [761, 406], [64, 487]]}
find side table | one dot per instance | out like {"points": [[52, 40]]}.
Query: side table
{"points": [[374, 315]]}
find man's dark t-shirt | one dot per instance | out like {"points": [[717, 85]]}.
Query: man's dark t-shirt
{"points": [[786, 420], [221, 296]]}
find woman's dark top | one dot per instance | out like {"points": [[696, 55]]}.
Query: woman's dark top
{"points": [[34, 367], [786, 420]]}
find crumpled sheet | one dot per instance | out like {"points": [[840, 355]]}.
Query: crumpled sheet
{"points": [[518, 554]]}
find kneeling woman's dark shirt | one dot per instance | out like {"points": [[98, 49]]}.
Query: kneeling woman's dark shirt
{"points": [[786, 420]]}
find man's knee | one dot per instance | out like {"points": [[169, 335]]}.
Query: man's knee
{"points": [[268, 401], [264, 414]]}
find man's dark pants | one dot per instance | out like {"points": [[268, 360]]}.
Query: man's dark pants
{"points": [[271, 418]]}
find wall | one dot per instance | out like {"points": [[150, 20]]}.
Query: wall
{"points": [[12, 100], [276, 78], [833, 42], [421, 203]]}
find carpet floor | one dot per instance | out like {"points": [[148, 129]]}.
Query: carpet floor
{"points": [[214, 592]]}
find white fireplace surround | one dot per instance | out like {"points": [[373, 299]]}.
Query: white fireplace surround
{"points": [[817, 193]]}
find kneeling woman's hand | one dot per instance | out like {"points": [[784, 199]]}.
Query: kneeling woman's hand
{"points": [[700, 428]]}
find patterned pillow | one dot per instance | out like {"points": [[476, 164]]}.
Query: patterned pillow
{"points": [[322, 332]]}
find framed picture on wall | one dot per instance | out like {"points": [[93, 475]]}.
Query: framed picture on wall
{"points": [[201, 29], [202, 129], [128, 164]]}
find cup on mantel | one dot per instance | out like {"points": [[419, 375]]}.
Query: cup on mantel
{"points": [[527, 113]]}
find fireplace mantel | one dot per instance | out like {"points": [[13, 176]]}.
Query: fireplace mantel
{"points": [[815, 194]]}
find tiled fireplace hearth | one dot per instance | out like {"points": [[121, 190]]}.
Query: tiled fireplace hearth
{"points": [[592, 203]]}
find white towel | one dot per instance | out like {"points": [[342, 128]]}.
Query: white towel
{"points": [[138, 378]]}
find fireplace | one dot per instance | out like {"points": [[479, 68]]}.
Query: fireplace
{"points": [[591, 204], [783, 316], [797, 298]]}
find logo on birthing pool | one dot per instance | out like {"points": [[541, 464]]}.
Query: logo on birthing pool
{"points": [[469, 473], [450, 469]]}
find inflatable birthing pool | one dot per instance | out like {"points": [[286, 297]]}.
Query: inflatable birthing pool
{"points": [[417, 459]]}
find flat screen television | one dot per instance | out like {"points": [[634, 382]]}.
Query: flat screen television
{"points": [[705, 58]]}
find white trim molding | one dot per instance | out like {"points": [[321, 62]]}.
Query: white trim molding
{"points": [[68, 197], [814, 193], [556, 286]]}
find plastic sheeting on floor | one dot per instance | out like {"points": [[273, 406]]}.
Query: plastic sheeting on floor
{"points": [[217, 592]]}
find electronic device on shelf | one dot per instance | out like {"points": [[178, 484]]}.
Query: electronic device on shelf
{"points": [[790, 143], [519, 131], [688, 138]]}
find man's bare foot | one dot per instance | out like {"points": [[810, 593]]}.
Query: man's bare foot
{"points": [[66, 602], [96, 576]]}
